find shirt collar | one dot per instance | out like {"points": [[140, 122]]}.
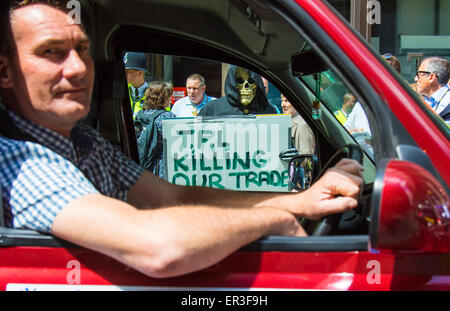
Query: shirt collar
{"points": [[344, 113], [202, 103], [44, 136], [440, 93], [437, 96], [141, 89]]}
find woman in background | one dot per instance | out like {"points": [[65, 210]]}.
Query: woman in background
{"points": [[302, 135], [148, 126]]}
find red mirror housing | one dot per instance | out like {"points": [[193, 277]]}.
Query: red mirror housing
{"points": [[413, 214]]}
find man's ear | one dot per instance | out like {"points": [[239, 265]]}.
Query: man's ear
{"points": [[433, 78], [5, 73]]}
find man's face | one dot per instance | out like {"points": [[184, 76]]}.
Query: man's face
{"points": [[425, 81], [135, 77], [350, 103], [52, 73], [195, 91]]}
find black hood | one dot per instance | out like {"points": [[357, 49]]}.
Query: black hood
{"points": [[259, 103]]}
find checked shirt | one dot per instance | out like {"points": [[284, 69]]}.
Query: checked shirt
{"points": [[40, 179]]}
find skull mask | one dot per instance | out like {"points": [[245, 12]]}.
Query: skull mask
{"points": [[246, 86]]}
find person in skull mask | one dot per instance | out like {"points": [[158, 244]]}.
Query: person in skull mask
{"points": [[244, 94]]}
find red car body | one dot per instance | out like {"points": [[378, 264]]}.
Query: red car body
{"points": [[407, 247]]}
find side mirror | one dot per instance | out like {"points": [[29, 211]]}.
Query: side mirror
{"points": [[410, 211], [301, 171]]}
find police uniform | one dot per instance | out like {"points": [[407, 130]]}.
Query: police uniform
{"points": [[135, 60], [137, 97]]}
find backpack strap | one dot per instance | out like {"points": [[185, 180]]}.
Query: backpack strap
{"points": [[157, 113]]}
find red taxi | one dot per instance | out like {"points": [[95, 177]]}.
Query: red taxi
{"points": [[398, 238]]}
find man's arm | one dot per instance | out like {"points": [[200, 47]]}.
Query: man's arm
{"points": [[171, 241], [177, 236], [335, 192]]}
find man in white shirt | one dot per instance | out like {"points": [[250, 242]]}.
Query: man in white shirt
{"points": [[432, 82], [191, 105], [357, 120]]}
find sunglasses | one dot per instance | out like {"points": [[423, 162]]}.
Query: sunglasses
{"points": [[387, 55], [422, 72]]}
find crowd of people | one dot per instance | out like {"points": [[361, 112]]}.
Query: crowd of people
{"points": [[431, 83], [245, 93]]}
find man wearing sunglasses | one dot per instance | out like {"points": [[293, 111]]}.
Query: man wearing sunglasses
{"points": [[432, 82]]}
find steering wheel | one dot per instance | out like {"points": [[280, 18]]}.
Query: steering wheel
{"points": [[328, 223]]}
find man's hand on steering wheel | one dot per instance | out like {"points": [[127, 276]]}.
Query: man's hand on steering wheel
{"points": [[335, 192]]}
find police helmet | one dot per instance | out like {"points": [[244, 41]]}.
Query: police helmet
{"points": [[135, 60]]}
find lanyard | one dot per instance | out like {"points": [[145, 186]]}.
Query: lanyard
{"points": [[200, 106]]}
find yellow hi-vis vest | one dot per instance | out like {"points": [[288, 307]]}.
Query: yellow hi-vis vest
{"points": [[341, 116], [135, 106]]}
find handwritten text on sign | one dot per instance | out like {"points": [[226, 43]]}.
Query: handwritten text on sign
{"points": [[239, 153]]}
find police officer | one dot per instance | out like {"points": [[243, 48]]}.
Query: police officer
{"points": [[135, 67]]}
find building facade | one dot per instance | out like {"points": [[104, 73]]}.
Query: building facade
{"points": [[408, 29]]}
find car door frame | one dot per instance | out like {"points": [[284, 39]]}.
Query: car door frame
{"points": [[272, 262]]}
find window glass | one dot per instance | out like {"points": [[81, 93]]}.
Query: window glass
{"points": [[203, 123], [346, 107]]}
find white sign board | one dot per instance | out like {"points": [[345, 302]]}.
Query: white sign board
{"points": [[239, 152]]}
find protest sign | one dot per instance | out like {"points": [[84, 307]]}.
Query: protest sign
{"points": [[178, 93], [239, 152]]}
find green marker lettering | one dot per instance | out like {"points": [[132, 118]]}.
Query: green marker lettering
{"points": [[284, 178], [245, 165], [184, 134], [178, 163], [238, 178], [276, 178], [215, 181], [257, 160], [182, 176], [251, 177], [216, 166], [203, 167], [265, 177]]}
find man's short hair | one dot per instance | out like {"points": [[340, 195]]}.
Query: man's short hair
{"points": [[440, 67], [348, 97], [198, 77], [7, 7]]}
